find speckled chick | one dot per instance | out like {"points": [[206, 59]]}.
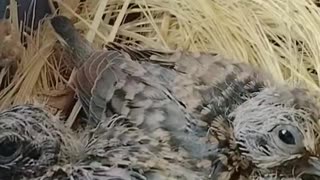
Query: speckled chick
{"points": [[205, 107]]}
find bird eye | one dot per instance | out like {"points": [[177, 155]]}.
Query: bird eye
{"points": [[286, 136], [9, 150]]}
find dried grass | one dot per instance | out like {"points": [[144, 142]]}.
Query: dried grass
{"points": [[280, 36]]}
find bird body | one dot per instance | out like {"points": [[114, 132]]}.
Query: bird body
{"points": [[204, 108]]}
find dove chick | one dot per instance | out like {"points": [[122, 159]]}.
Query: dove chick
{"points": [[31, 140], [230, 113], [275, 133], [115, 149]]}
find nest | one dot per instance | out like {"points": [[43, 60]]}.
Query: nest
{"points": [[280, 36]]}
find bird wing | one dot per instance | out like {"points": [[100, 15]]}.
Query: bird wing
{"points": [[210, 80], [110, 83], [197, 76]]}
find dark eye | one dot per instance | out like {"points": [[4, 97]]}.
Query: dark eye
{"points": [[286, 136], [9, 150]]}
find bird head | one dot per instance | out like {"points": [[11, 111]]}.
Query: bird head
{"points": [[29, 141], [277, 132]]}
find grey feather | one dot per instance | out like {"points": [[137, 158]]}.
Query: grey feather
{"points": [[204, 105]]}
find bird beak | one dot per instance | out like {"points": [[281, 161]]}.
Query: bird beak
{"points": [[313, 167]]}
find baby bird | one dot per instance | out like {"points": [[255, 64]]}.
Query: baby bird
{"points": [[116, 150], [203, 109], [30, 141]]}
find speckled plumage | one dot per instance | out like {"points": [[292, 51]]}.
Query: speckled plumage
{"points": [[117, 150], [31, 140], [86, 172], [218, 119]]}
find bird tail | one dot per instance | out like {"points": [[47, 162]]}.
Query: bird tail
{"points": [[80, 48]]}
